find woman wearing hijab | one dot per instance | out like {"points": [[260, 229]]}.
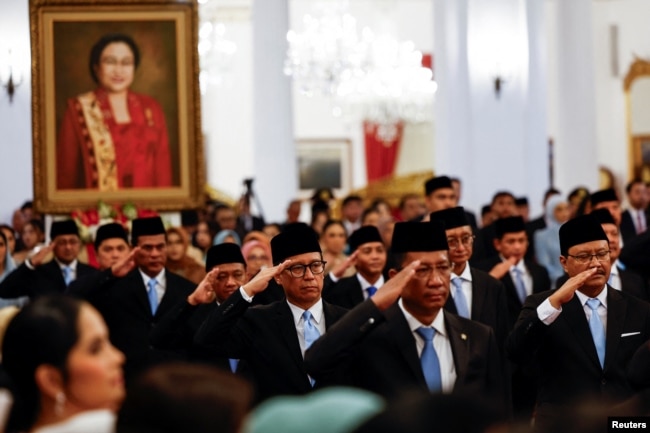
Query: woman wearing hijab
{"points": [[547, 240]]}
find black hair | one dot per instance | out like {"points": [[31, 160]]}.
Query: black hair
{"points": [[349, 199], [27, 205], [633, 182], [37, 224], [500, 194], [103, 42], [184, 397], [333, 223], [43, 332]]}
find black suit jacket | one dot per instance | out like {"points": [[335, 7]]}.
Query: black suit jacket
{"points": [[628, 229], [124, 304], [346, 292], [266, 338], [631, 283], [541, 283], [377, 351], [489, 304], [565, 354], [46, 279]]}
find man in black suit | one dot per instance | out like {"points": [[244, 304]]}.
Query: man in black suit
{"points": [[34, 278], [273, 338], [581, 336], [502, 206], [634, 220], [389, 345], [475, 294], [620, 278], [135, 294], [225, 268], [607, 199], [439, 194], [520, 276], [369, 261]]}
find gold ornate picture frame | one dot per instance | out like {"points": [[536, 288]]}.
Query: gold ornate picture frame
{"points": [[83, 151]]}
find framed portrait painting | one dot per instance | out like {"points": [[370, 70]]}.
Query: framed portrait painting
{"points": [[115, 104], [324, 163]]}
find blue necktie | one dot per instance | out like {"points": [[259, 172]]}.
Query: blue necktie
{"points": [[311, 335], [520, 285], [233, 364], [429, 360], [153, 296], [459, 298], [67, 275], [597, 329], [371, 291]]}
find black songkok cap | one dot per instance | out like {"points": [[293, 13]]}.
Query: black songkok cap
{"points": [[417, 237], [189, 218], [364, 235], [67, 227], [580, 230], [436, 183], [109, 231], [521, 201], [513, 224], [603, 195], [146, 227], [452, 217], [296, 238], [223, 253], [603, 216]]}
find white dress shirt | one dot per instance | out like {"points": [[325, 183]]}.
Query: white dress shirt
{"points": [[72, 266], [318, 320], [466, 286], [547, 313], [365, 284], [161, 283]]}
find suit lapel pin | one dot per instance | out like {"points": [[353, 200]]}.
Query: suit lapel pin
{"points": [[463, 336]]}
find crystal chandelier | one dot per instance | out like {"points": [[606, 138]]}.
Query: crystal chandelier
{"points": [[215, 51], [370, 77]]}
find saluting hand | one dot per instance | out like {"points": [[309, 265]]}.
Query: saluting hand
{"points": [[39, 257], [392, 289], [204, 292], [499, 270], [339, 271], [565, 293], [260, 281], [125, 265]]}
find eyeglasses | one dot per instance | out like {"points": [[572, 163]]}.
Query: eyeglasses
{"points": [[424, 273], [316, 268], [466, 240], [601, 256]]}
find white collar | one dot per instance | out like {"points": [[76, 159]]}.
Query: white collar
{"points": [[602, 297], [316, 311], [438, 323], [466, 275], [365, 284]]}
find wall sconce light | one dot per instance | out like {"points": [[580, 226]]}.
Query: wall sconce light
{"points": [[498, 83], [12, 80]]}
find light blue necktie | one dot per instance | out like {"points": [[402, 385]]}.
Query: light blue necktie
{"points": [[311, 334], [459, 298], [597, 329], [233, 364], [67, 275], [371, 291], [429, 360], [152, 295], [520, 285]]}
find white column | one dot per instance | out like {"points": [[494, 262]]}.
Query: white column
{"points": [[274, 155], [575, 155], [453, 117], [492, 142]]}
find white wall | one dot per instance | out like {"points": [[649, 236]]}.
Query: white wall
{"points": [[227, 116], [15, 117]]}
